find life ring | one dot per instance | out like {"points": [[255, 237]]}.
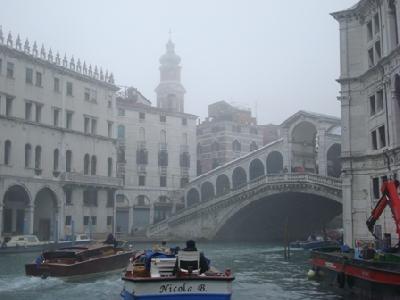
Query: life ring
{"points": [[340, 278]]}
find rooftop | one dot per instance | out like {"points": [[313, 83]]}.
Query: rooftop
{"points": [[72, 67]]}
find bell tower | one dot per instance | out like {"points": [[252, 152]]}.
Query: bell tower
{"points": [[170, 91]]}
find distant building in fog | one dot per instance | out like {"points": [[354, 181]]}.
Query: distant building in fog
{"points": [[228, 133], [157, 150], [270, 133]]}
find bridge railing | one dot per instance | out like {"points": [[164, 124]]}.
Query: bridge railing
{"points": [[269, 178]]}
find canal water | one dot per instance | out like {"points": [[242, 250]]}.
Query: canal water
{"points": [[260, 271]]}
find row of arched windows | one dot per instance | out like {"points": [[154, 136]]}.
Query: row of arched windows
{"points": [[89, 163], [142, 135], [236, 146], [28, 156]]}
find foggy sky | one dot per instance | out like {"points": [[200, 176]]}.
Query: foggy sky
{"points": [[282, 55]]}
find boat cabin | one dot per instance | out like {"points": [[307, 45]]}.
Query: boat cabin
{"points": [[21, 240]]}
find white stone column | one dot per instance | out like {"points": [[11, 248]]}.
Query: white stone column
{"points": [[13, 219], [151, 217], [287, 152], [30, 211], [130, 219], [347, 210], [321, 159], [1, 219]]}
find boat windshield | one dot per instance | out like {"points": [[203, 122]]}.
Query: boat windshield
{"points": [[31, 239]]}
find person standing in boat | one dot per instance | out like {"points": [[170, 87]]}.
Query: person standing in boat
{"points": [[204, 261], [111, 240]]}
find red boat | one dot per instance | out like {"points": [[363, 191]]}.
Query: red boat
{"points": [[75, 262], [367, 273]]}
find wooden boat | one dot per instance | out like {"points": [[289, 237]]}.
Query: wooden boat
{"points": [[24, 243], [174, 277], [372, 278], [309, 245], [30, 243], [78, 261]]}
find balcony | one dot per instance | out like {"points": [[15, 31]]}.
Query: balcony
{"points": [[162, 170], [184, 148], [90, 180], [141, 169], [163, 146], [184, 171], [141, 145]]}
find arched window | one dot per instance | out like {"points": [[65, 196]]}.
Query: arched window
{"points": [[236, 146], [214, 146], [110, 167], [7, 152], [121, 131], [28, 155], [93, 165], [163, 136], [184, 139], [142, 134], [192, 197], [199, 148], [56, 157], [38, 157], [68, 160], [86, 164]]}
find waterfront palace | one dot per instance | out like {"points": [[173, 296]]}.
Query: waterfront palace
{"points": [[370, 108]]}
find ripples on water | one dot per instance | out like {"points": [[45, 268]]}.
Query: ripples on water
{"points": [[260, 271]]}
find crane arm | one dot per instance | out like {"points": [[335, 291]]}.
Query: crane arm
{"points": [[389, 197]]}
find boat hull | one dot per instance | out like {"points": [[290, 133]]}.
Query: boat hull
{"points": [[196, 288], [365, 279], [76, 270], [40, 248]]}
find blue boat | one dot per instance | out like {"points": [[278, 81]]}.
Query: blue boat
{"points": [[160, 276]]}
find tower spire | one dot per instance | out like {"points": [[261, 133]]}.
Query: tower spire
{"points": [[170, 92]]}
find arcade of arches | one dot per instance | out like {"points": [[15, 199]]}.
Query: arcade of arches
{"points": [[304, 160], [21, 215]]}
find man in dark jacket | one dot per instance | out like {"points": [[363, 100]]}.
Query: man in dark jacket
{"points": [[204, 261], [111, 240]]}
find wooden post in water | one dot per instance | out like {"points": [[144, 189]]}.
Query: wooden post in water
{"points": [[286, 247]]}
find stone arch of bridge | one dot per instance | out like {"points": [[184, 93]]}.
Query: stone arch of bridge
{"points": [[303, 137], [239, 177], [222, 185], [303, 207], [207, 191], [334, 166], [192, 197], [256, 169], [274, 162]]}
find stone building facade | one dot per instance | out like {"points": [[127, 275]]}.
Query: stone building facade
{"points": [[157, 150], [57, 144], [227, 133], [370, 106]]}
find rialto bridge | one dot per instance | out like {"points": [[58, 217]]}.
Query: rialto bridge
{"points": [[293, 180]]}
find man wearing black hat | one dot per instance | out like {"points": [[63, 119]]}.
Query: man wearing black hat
{"points": [[204, 261]]}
